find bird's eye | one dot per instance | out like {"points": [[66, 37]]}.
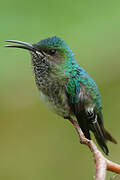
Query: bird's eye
{"points": [[52, 52]]}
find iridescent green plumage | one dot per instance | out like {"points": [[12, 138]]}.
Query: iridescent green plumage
{"points": [[66, 87], [76, 74]]}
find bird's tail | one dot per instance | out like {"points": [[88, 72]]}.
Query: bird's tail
{"points": [[101, 134], [106, 134], [98, 133], [97, 127]]}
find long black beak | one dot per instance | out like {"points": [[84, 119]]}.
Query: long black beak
{"points": [[23, 45]]}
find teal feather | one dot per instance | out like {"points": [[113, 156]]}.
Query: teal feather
{"points": [[55, 42], [79, 75]]}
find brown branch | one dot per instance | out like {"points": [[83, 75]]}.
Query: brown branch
{"points": [[111, 166], [102, 164]]}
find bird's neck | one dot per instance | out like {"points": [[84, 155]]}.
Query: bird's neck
{"points": [[69, 65]]}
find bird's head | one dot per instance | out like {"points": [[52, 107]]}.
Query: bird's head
{"points": [[52, 51]]}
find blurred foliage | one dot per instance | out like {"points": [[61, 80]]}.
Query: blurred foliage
{"points": [[115, 177], [35, 143]]}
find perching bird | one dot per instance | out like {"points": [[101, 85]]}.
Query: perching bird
{"points": [[66, 87]]}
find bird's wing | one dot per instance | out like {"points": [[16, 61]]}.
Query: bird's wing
{"points": [[76, 96], [87, 118]]}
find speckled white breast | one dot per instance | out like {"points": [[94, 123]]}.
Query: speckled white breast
{"points": [[61, 108]]}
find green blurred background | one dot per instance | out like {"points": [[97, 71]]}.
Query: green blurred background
{"points": [[35, 143]]}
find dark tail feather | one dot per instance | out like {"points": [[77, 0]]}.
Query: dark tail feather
{"points": [[107, 135], [96, 129], [99, 136]]}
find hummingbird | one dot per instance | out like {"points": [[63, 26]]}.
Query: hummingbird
{"points": [[65, 87]]}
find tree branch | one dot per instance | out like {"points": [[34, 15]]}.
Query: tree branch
{"points": [[102, 164]]}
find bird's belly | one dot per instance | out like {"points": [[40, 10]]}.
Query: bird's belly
{"points": [[57, 103]]}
